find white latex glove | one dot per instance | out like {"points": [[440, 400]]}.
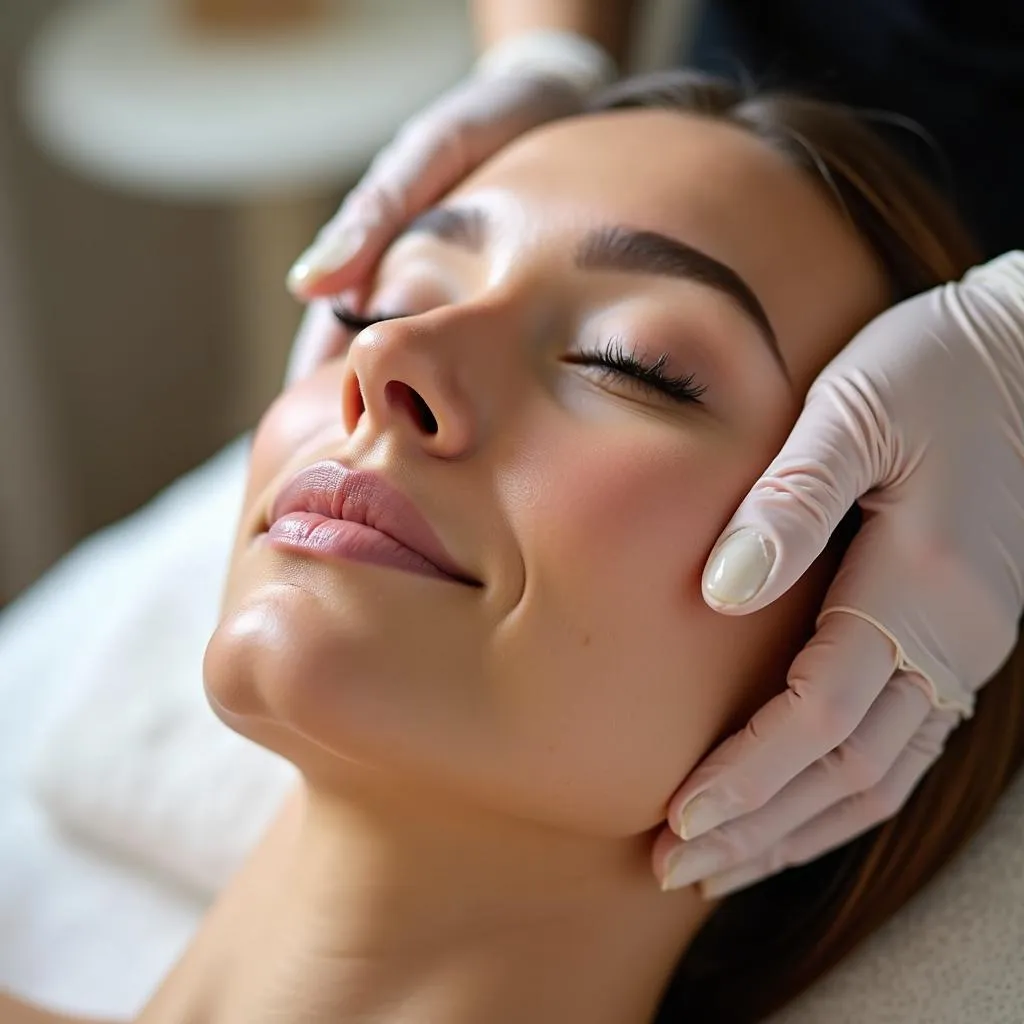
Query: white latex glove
{"points": [[921, 418], [517, 85]]}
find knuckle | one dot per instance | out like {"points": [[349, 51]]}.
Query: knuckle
{"points": [[374, 203], [828, 713], [910, 691], [381, 168], [362, 200], [932, 550], [853, 399], [456, 147], [794, 478], [812, 491], [417, 131], [800, 856], [746, 790], [426, 137], [930, 739], [880, 802], [733, 844], [778, 858], [747, 794], [857, 766]]}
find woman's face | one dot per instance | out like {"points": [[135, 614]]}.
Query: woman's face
{"points": [[580, 676]]}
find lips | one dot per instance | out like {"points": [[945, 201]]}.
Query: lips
{"points": [[330, 490]]}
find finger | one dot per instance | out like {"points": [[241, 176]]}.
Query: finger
{"points": [[727, 882], [430, 155], [850, 818], [831, 685], [856, 814], [348, 247], [317, 340], [421, 164], [855, 766], [785, 521]]}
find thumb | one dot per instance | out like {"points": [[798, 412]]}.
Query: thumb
{"points": [[789, 514]]}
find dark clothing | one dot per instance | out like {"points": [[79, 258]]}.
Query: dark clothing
{"points": [[956, 67]]}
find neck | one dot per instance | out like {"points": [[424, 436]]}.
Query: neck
{"points": [[403, 910]]}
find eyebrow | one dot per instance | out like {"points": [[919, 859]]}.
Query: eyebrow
{"points": [[621, 249], [648, 252], [465, 227]]}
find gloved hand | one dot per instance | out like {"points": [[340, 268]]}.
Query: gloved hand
{"points": [[921, 418], [521, 83]]}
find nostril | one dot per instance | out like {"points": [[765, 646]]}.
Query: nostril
{"points": [[427, 419], [401, 396], [353, 403]]}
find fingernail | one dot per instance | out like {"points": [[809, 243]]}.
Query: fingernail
{"points": [[691, 865], [717, 886], [703, 813], [740, 567], [323, 257], [727, 882]]}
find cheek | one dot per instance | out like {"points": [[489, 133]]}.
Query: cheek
{"points": [[616, 674], [304, 415], [347, 658], [297, 416]]}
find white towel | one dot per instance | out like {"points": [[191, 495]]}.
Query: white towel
{"points": [[135, 760]]}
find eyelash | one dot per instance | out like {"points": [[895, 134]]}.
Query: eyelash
{"points": [[352, 321], [614, 361]]}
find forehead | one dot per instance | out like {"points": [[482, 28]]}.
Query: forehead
{"points": [[716, 187]]}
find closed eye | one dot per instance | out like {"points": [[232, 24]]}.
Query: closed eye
{"points": [[353, 321], [616, 361], [613, 360]]}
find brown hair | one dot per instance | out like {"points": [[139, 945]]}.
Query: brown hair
{"points": [[765, 945]]}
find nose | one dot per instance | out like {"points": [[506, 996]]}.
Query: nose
{"points": [[409, 376]]}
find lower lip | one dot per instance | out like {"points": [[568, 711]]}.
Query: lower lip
{"points": [[353, 542]]}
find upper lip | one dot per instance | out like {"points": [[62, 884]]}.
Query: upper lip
{"points": [[358, 496]]}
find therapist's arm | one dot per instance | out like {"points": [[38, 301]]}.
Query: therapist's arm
{"points": [[919, 420], [609, 23]]}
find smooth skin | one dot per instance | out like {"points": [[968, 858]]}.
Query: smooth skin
{"points": [[868, 709], [485, 783]]}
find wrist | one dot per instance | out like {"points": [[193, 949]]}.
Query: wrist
{"points": [[581, 62], [1005, 274], [998, 319]]}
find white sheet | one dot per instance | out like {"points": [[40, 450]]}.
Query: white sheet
{"points": [[78, 931], [135, 760], [81, 931]]}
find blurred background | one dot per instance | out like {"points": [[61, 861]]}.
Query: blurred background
{"points": [[162, 162]]}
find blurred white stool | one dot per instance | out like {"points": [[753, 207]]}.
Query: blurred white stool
{"points": [[127, 92]]}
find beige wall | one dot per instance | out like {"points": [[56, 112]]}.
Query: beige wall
{"points": [[127, 306], [124, 316]]}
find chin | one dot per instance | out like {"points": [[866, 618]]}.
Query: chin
{"points": [[277, 671], [312, 659], [290, 646]]}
